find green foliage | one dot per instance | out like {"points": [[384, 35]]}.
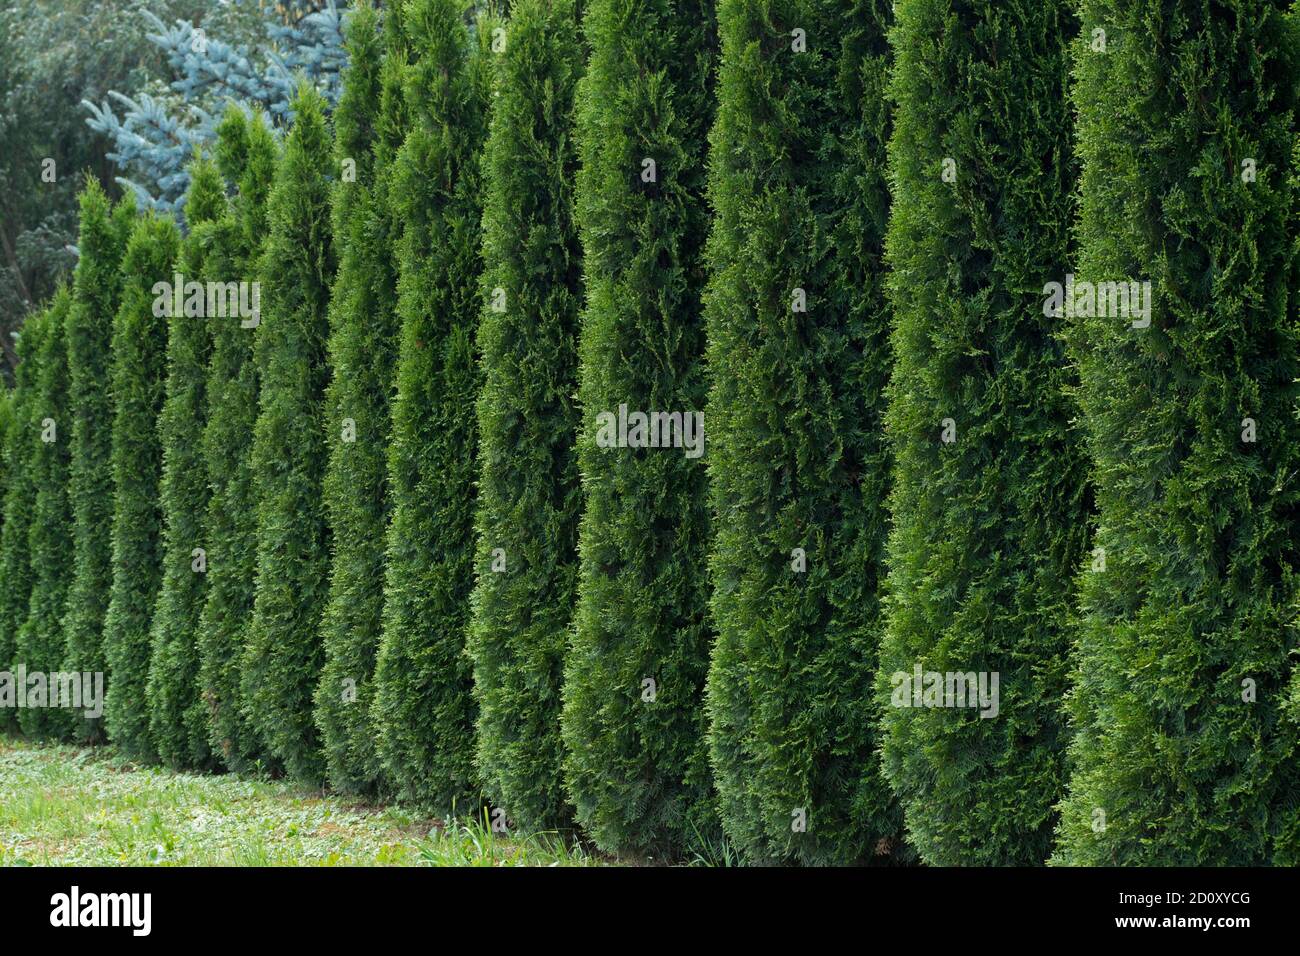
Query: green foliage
{"points": [[362, 351], [21, 450], [178, 718], [138, 387], [637, 770], [89, 339], [247, 154], [1188, 636], [797, 461], [423, 710], [40, 643], [528, 487], [988, 528], [282, 653]]}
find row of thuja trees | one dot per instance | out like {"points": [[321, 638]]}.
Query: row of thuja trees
{"points": [[372, 534]]}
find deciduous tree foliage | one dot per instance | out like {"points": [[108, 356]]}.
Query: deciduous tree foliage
{"points": [[799, 357], [138, 384], [40, 644], [423, 710], [529, 496], [1183, 753], [989, 504], [21, 450], [247, 154], [101, 243], [178, 718], [282, 654], [362, 349], [633, 717]]}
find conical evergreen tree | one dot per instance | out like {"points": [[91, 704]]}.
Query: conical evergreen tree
{"points": [[101, 244], [1183, 754], [799, 358], [40, 644], [423, 708], [20, 495], [138, 388], [247, 153], [282, 654], [362, 358], [633, 718], [989, 504], [178, 719], [528, 484]]}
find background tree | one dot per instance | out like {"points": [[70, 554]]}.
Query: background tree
{"points": [[423, 709], [282, 654], [990, 502], [528, 487], [247, 154], [178, 718], [138, 387], [637, 764], [89, 335], [799, 358], [20, 495], [363, 340], [1182, 754], [40, 638]]}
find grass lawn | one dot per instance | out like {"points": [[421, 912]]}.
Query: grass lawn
{"points": [[67, 805]]}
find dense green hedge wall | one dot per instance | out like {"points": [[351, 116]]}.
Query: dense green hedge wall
{"points": [[796, 453], [139, 352], [282, 650], [1184, 754], [990, 527], [248, 154], [633, 717], [178, 720], [423, 710], [528, 491], [101, 243], [362, 353]]}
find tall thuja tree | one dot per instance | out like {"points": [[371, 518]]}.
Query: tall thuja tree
{"points": [[1182, 754], [101, 243], [633, 719], [246, 153], [282, 653], [799, 357], [423, 709], [528, 482], [989, 504], [40, 645], [178, 722], [138, 386], [20, 494], [362, 350]]}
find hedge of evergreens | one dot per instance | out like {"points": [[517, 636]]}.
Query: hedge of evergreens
{"points": [[805, 432]]}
